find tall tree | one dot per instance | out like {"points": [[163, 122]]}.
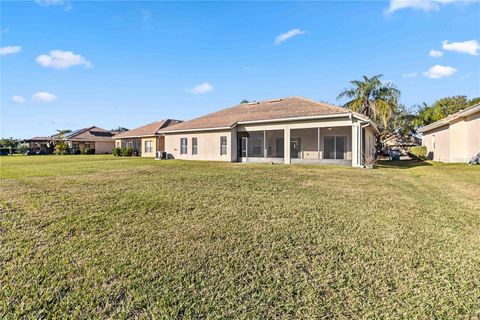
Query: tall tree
{"points": [[441, 108], [373, 98]]}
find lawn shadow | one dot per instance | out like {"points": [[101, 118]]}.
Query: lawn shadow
{"points": [[400, 164]]}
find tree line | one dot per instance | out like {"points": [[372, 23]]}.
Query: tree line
{"points": [[380, 102]]}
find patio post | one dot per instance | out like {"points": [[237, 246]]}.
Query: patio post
{"points": [[286, 146], [318, 143]]}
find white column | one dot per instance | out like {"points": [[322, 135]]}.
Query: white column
{"points": [[355, 146], [264, 143], [318, 143], [286, 146]]}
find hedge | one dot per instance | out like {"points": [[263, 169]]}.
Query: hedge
{"points": [[419, 153]]}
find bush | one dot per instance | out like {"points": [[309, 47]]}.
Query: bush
{"points": [[86, 151], [22, 148], [127, 152], [419, 153], [117, 152]]}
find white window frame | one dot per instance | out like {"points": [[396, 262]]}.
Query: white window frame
{"points": [[183, 148], [194, 146], [223, 147], [148, 146]]}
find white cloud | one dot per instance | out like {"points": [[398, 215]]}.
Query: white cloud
{"points": [[18, 99], [51, 3], [424, 5], [10, 50], [410, 75], [438, 71], [287, 35], [62, 59], [202, 88], [435, 53], [44, 97], [469, 47]]}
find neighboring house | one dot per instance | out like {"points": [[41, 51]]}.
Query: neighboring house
{"points": [[400, 143], [95, 139], [289, 130], [145, 140], [40, 143], [455, 138]]}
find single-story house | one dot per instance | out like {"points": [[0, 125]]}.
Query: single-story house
{"points": [[455, 138], [94, 139], [40, 143], [288, 130], [399, 142], [146, 140]]}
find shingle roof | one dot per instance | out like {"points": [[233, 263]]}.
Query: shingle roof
{"points": [[39, 139], [291, 107], [90, 134], [147, 130]]}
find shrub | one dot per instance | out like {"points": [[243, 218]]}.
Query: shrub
{"points": [[116, 152], [127, 152], [419, 153], [85, 151], [22, 148]]}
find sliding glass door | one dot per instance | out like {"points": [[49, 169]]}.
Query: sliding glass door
{"points": [[334, 147]]}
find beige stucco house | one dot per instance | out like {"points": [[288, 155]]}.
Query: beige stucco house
{"points": [[288, 130], [95, 139], [146, 140], [455, 138]]}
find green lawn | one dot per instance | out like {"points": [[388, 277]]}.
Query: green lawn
{"points": [[105, 237]]}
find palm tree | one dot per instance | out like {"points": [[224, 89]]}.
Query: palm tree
{"points": [[372, 98], [61, 147]]}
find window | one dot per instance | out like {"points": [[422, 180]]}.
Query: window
{"points": [[148, 146], [183, 146], [334, 147], [223, 145], [194, 146], [118, 143]]}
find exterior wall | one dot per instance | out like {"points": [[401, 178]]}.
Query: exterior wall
{"points": [[208, 145], [104, 147], [208, 142], [473, 136], [438, 144], [458, 141], [155, 144]]}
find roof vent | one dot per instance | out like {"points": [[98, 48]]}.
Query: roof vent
{"points": [[274, 100]]}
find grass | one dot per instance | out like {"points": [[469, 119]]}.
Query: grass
{"points": [[104, 237]]}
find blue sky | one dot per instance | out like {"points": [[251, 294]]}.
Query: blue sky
{"points": [[76, 64]]}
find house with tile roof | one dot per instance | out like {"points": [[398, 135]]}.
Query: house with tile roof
{"points": [[455, 138], [145, 140], [94, 139], [286, 130]]}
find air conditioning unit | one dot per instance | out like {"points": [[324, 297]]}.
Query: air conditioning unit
{"points": [[161, 155]]}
